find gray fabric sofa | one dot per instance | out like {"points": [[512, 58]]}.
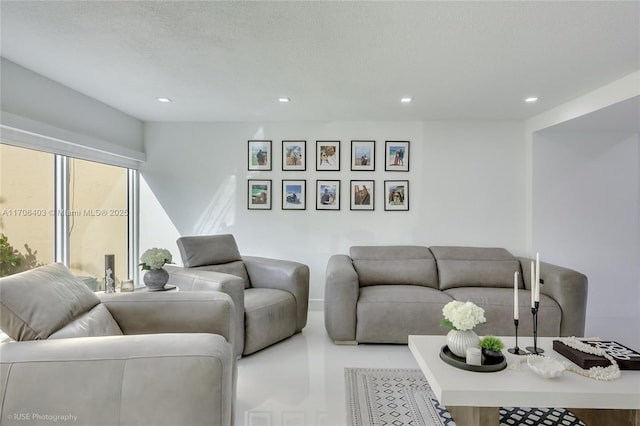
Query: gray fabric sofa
{"points": [[383, 294], [271, 295], [123, 359]]}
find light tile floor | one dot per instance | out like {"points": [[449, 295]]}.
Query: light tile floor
{"points": [[300, 381]]}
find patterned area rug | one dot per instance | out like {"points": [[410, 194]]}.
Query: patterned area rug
{"points": [[403, 397]]}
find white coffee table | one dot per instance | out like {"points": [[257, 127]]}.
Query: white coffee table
{"points": [[473, 398]]}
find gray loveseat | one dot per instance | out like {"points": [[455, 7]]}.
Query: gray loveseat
{"points": [[383, 294], [123, 359]]}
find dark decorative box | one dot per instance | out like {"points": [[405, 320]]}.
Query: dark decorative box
{"points": [[626, 358]]}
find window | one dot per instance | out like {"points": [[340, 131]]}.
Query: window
{"points": [[26, 209], [98, 218], [67, 210]]}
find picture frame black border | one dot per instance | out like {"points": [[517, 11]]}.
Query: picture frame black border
{"points": [[372, 192], [387, 166], [355, 168], [285, 167], [304, 197], [269, 156], [319, 143], [407, 197], [318, 204], [251, 206]]}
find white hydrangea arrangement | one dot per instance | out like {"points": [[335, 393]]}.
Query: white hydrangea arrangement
{"points": [[155, 258], [462, 315]]}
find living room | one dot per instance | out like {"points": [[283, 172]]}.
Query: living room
{"points": [[559, 177]]}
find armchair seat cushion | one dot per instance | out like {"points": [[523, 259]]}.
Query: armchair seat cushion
{"points": [[390, 313], [268, 314]]}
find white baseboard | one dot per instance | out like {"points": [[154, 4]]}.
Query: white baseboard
{"points": [[316, 305]]}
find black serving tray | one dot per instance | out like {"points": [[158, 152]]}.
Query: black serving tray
{"points": [[493, 364]]}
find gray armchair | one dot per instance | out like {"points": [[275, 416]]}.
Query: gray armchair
{"points": [[271, 295], [118, 359]]}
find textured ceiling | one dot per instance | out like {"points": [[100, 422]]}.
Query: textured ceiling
{"points": [[228, 61]]}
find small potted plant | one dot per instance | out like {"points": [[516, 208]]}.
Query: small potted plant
{"points": [[491, 347]]}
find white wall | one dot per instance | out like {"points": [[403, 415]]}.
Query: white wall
{"points": [[466, 184], [586, 216]]}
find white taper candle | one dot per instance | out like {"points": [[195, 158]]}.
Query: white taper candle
{"points": [[533, 284], [537, 295], [516, 311]]}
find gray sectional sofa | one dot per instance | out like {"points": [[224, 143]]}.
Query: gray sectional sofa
{"points": [[383, 294]]}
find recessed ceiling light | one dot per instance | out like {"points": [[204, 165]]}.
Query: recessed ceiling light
{"points": [[163, 99], [284, 100], [406, 100], [531, 99]]}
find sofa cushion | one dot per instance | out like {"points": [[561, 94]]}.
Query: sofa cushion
{"points": [[390, 313], [217, 253], [474, 266], [37, 303], [270, 316], [377, 265], [200, 250], [97, 322], [498, 310]]}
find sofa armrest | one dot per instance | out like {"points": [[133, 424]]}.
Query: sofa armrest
{"points": [[282, 275], [119, 380], [341, 293], [568, 288], [172, 312], [188, 279]]}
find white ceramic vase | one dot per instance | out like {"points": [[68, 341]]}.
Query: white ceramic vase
{"points": [[459, 340]]}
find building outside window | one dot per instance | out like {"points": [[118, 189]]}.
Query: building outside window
{"points": [[57, 208], [26, 206]]}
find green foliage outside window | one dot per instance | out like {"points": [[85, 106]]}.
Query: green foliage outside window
{"points": [[12, 261]]}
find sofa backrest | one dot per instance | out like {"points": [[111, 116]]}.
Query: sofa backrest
{"points": [[474, 266], [378, 265], [217, 253], [40, 303]]}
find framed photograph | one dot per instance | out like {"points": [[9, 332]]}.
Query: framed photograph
{"points": [[396, 195], [294, 194], [396, 156], [259, 155], [362, 194], [259, 195], [363, 155], [327, 195], [327, 155], [294, 155]]}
